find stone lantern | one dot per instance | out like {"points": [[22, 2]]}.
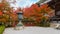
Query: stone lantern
{"points": [[19, 25]]}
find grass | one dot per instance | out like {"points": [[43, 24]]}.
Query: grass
{"points": [[2, 27]]}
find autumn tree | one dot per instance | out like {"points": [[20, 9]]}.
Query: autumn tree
{"points": [[37, 13], [4, 6], [6, 12]]}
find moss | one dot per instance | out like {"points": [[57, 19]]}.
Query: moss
{"points": [[2, 27]]}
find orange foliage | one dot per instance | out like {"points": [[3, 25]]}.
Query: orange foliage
{"points": [[35, 11], [3, 20], [1, 13], [1, 5]]}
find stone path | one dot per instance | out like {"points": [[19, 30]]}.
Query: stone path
{"points": [[32, 30]]}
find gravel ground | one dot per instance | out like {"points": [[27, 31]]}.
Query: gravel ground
{"points": [[32, 30]]}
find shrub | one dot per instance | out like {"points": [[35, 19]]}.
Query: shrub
{"points": [[2, 27]]}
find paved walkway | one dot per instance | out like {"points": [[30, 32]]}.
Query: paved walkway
{"points": [[32, 30]]}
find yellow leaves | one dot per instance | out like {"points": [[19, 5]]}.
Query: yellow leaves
{"points": [[5, 16], [3, 20]]}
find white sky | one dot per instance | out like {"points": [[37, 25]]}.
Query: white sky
{"points": [[24, 3]]}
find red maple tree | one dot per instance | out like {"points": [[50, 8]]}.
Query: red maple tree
{"points": [[36, 12]]}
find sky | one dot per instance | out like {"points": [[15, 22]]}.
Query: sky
{"points": [[24, 3]]}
